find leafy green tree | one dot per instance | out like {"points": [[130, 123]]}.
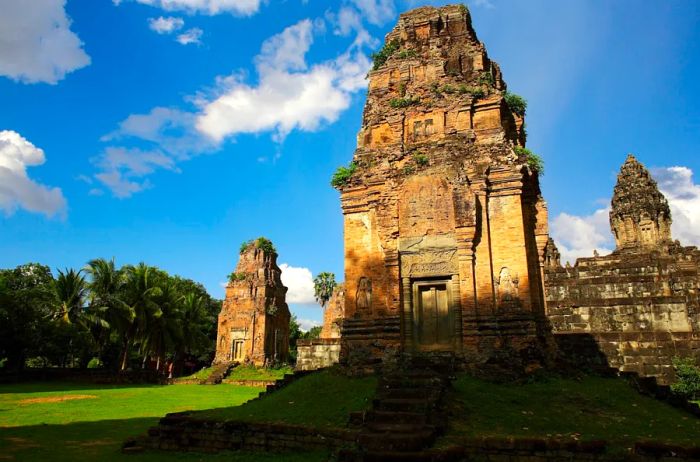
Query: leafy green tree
{"points": [[70, 290], [688, 375], [324, 283], [314, 332]]}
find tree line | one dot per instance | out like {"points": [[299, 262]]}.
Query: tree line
{"points": [[134, 316]]}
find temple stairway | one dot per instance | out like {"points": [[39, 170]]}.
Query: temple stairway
{"points": [[219, 373], [407, 413]]}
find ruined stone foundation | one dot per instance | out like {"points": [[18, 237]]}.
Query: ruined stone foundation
{"points": [[324, 351], [445, 227], [639, 307], [254, 318]]}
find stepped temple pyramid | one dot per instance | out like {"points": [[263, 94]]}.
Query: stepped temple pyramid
{"points": [[445, 226], [639, 307], [254, 319]]}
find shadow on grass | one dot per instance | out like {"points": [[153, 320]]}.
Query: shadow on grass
{"points": [[102, 441]]}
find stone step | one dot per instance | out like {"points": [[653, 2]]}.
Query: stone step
{"points": [[396, 441], [398, 428], [432, 394], [403, 404], [420, 418]]}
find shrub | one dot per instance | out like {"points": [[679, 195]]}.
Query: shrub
{"points": [[421, 159], [476, 92], [463, 8], [381, 56], [486, 79], [449, 89], [517, 103], [534, 161], [405, 54], [261, 243], [398, 103], [233, 277], [688, 374], [408, 170], [402, 89], [94, 363], [342, 175]]}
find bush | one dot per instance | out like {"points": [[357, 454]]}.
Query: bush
{"points": [[421, 159], [688, 374], [534, 161], [233, 277], [261, 243], [405, 54], [398, 103], [517, 103], [95, 363], [476, 92], [486, 79], [342, 175], [380, 57]]}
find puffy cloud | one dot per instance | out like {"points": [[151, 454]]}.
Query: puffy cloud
{"points": [[290, 94], [122, 169], [683, 195], [307, 324], [166, 25], [36, 43], [300, 284], [210, 7], [578, 236], [377, 12], [16, 188], [190, 36]]}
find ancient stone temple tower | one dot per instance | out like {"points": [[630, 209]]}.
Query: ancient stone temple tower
{"points": [[445, 227], [640, 215], [254, 318], [639, 307]]}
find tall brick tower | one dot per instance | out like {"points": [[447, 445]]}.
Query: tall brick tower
{"points": [[640, 216], [445, 227]]}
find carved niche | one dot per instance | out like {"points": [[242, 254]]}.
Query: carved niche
{"points": [[426, 207], [507, 288], [363, 297]]}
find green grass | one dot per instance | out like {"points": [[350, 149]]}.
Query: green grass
{"points": [[201, 374], [592, 408], [39, 421], [322, 399], [259, 373]]}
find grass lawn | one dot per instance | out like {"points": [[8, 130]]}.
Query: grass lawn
{"points": [[68, 421], [588, 409], [259, 373], [322, 399]]}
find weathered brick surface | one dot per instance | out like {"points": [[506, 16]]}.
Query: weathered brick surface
{"points": [[440, 194], [639, 306], [254, 312], [317, 353], [334, 313]]}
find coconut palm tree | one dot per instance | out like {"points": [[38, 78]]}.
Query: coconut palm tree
{"points": [[163, 331], [324, 284], [70, 289], [106, 305]]}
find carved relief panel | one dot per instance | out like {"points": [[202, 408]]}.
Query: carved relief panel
{"points": [[426, 207]]}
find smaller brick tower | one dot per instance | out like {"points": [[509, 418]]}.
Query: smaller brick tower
{"points": [[640, 216], [254, 318]]}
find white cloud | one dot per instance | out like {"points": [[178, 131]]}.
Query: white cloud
{"points": [[578, 236], [346, 21], [190, 36], [290, 94], [16, 188], [683, 195], [307, 324], [122, 169], [300, 284], [36, 43], [377, 12], [210, 7], [166, 25]]}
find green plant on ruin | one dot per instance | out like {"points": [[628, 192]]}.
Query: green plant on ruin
{"points": [[449, 89], [534, 161], [405, 54], [486, 78], [408, 170], [398, 103], [261, 243], [517, 103], [688, 375], [402, 89], [463, 8], [342, 175], [271, 310], [233, 277], [380, 57], [421, 159], [435, 89]]}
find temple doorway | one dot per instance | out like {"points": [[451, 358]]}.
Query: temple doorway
{"points": [[432, 319]]}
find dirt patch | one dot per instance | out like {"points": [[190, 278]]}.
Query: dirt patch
{"points": [[55, 399]]}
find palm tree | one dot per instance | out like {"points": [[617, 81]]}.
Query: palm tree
{"points": [[69, 291], [324, 284], [140, 291], [106, 305], [163, 330], [196, 321]]}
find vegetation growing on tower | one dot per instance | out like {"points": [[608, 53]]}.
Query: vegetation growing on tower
{"points": [[342, 175]]}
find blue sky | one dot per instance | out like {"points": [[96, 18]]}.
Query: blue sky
{"points": [[117, 137]]}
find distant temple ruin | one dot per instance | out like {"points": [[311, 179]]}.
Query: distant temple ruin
{"points": [[637, 308], [254, 319], [445, 226]]}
